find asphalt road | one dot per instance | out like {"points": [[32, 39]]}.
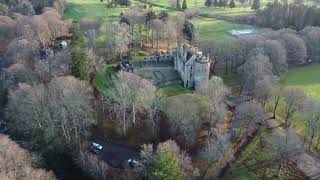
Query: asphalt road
{"points": [[116, 155]]}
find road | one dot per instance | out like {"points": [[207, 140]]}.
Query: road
{"points": [[307, 161], [116, 155]]}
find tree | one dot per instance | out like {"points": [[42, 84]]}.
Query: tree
{"points": [[293, 98], [256, 4], [16, 163], [55, 66], [263, 89], [215, 93], [232, 4], [56, 116], [118, 38], [311, 111], [285, 147], [296, 48], [208, 3], [249, 114], [220, 4], [215, 3], [184, 121], [3, 9], [214, 152], [90, 163], [7, 32], [147, 156], [170, 162], [178, 5], [184, 5], [129, 95], [79, 65], [276, 97], [311, 36], [257, 67], [277, 55]]}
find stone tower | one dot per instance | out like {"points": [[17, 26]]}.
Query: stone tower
{"points": [[192, 66]]}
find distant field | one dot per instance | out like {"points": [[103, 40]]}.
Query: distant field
{"points": [[94, 9], [307, 78], [210, 28]]}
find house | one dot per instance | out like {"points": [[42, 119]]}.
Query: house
{"points": [[192, 66]]}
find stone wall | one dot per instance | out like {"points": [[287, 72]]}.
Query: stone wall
{"points": [[154, 61]]}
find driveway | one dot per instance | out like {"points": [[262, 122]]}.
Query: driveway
{"points": [[116, 155]]}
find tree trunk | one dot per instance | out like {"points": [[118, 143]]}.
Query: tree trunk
{"points": [[276, 103], [310, 144], [318, 141]]}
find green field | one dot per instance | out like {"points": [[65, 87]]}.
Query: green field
{"points": [[306, 78], [210, 28], [93, 9]]}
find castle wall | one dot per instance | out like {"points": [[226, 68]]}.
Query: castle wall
{"points": [[201, 77]]}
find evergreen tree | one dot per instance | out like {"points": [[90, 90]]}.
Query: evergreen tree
{"points": [[208, 3], [215, 3], [220, 3], [167, 166], [178, 5], [256, 4], [184, 5], [79, 65], [232, 4]]}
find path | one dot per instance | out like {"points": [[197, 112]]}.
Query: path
{"points": [[307, 161]]}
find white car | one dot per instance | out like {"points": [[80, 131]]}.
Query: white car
{"points": [[95, 147], [133, 163]]}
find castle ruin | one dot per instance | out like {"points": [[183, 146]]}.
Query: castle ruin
{"points": [[192, 66], [187, 62]]}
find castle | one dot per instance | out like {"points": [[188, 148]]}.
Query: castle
{"points": [[192, 66], [187, 62]]}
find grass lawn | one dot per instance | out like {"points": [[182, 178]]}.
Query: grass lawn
{"points": [[215, 29], [173, 90], [249, 164], [307, 78], [104, 80], [93, 9]]}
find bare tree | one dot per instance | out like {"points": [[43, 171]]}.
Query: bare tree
{"points": [[296, 48], [276, 97], [311, 109], [118, 38], [7, 31], [257, 67], [282, 148], [129, 95], [16, 163], [215, 93], [59, 113], [90, 163], [55, 66], [184, 121], [263, 90], [249, 114], [277, 55], [215, 152], [294, 99]]}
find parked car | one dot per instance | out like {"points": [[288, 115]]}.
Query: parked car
{"points": [[132, 164], [96, 148]]}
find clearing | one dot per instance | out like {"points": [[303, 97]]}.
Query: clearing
{"points": [[306, 78]]}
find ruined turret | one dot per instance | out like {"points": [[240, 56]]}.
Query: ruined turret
{"points": [[192, 66]]}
